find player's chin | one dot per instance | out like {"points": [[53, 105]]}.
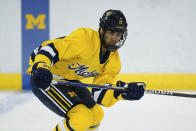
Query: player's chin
{"points": [[112, 44]]}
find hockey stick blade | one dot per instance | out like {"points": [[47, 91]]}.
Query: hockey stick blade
{"points": [[156, 92]]}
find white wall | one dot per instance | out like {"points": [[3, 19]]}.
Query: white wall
{"points": [[161, 32], [10, 36]]}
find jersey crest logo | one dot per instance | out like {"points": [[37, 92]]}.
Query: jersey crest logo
{"points": [[82, 70]]}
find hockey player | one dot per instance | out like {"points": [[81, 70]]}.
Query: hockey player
{"points": [[84, 53]]}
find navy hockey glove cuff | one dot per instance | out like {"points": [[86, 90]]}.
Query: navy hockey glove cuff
{"points": [[41, 76], [134, 90]]}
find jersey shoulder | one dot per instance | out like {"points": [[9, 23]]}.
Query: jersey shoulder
{"points": [[84, 40], [84, 34]]}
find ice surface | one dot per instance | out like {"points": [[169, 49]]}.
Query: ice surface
{"points": [[22, 111]]}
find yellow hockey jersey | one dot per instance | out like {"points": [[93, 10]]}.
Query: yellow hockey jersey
{"points": [[78, 56]]}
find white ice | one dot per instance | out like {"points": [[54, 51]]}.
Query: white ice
{"points": [[22, 111]]}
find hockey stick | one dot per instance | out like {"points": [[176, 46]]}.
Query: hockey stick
{"points": [[170, 93], [107, 86]]}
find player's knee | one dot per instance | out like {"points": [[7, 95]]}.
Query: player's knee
{"points": [[94, 128], [80, 124], [80, 117], [98, 114]]}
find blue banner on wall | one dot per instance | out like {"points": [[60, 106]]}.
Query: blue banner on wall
{"points": [[35, 30]]}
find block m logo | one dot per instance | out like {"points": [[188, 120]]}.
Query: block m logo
{"points": [[32, 21]]}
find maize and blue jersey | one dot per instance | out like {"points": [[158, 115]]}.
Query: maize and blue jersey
{"points": [[79, 56]]}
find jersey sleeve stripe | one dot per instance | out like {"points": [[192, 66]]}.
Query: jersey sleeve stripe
{"points": [[47, 54], [34, 53], [36, 50], [56, 57], [49, 50]]}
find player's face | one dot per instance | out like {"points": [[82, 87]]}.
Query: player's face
{"points": [[112, 37]]}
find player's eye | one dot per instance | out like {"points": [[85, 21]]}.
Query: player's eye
{"points": [[113, 34]]}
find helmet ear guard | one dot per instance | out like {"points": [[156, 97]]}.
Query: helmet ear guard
{"points": [[114, 20]]}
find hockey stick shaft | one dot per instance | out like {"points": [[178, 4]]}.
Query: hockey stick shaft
{"points": [[88, 85], [170, 93], [156, 92]]}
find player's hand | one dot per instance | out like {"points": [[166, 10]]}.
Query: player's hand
{"points": [[134, 90], [41, 75], [85, 96]]}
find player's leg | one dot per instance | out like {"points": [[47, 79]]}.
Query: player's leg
{"points": [[94, 128], [97, 129], [58, 99], [81, 118], [98, 114], [65, 101]]}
